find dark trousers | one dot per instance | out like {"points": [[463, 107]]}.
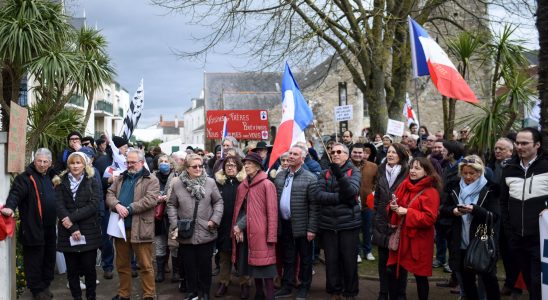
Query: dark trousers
{"points": [[441, 242], [39, 262], [526, 252], [81, 263], [490, 282], [511, 269], [107, 250], [367, 214], [382, 269], [291, 247], [341, 267], [197, 265], [397, 284]]}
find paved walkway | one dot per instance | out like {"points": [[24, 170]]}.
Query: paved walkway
{"points": [[168, 291]]}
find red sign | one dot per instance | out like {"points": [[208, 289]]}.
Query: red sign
{"points": [[241, 124]]}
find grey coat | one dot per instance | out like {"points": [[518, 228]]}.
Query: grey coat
{"points": [[181, 205], [304, 207]]}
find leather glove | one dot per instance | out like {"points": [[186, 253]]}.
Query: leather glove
{"points": [[336, 170]]}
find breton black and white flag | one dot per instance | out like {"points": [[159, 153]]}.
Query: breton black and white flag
{"points": [[134, 112]]}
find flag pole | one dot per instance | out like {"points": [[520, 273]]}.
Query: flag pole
{"points": [[417, 98], [321, 139]]}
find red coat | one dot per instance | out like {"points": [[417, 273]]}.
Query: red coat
{"points": [[262, 219], [416, 250]]}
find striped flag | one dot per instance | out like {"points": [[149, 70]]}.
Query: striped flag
{"points": [[134, 112], [224, 134], [296, 116], [408, 112]]}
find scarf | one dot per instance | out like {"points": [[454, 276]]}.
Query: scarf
{"points": [[74, 184], [195, 186], [469, 194], [392, 174]]}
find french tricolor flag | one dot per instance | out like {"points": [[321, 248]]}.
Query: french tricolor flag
{"points": [[429, 59], [296, 116]]}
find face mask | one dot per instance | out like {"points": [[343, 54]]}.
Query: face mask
{"points": [[164, 168]]}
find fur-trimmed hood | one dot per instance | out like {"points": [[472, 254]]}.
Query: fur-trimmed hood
{"points": [[221, 177], [57, 179]]}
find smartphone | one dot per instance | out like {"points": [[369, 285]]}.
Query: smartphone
{"points": [[460, 206]]}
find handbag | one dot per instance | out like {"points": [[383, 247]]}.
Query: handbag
{"points": [[394, 238], [185, 227], [159, 211], [481, 252]]}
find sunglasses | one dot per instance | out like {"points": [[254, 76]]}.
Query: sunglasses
{"points": [[337, 152], [469, 161], [86, 144], [196, 167]]}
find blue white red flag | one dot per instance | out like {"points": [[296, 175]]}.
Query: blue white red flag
{"points": [[428, 58], [296, 116]]}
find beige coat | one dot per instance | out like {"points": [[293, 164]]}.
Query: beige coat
{"points": [[180, 205], [144, 201]]}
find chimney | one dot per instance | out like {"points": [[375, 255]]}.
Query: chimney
{"points": [[161, 118], [176, 122]]}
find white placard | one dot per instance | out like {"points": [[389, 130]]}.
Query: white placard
{"points": [[81, 241], [116, 226], [343, 113], [395, 127]]}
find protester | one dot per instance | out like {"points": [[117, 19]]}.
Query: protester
{"points": [[415, 206], [263, 149], [521, 202], [340, 222], [383, 149], [32, 192], [74, 140], [298, 224], [254, 225], [347, 139], [78, 236], [228, 179], [193, 192], [88, 141], [165, 176], [325, 160], [413, 128], [423, 131], [133, 195], [468, 202], [284, 164], [389, 176]]}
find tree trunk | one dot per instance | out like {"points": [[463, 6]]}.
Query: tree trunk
{"points": [[88, 114], [512, 115], [452, 112], [446, 127], [542, 26]]}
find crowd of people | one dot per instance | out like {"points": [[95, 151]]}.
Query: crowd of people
{"points": [[419, 199]]}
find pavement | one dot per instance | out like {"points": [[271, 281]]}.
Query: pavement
{"points": [[169, 291]]}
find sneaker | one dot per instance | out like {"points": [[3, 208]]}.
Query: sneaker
{"points": [[437, 264], [302, 294], [82, 286], [370, 256], [359, 259], [108, 275], [283, 293], [447, 269]]}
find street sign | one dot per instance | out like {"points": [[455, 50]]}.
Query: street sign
{"points": [[343, 113], [241, 124]]}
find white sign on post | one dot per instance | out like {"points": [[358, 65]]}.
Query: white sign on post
{"points": [[395, 127], [343, 113]]}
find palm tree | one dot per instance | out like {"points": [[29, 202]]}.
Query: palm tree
{"points": [[95, 66]]}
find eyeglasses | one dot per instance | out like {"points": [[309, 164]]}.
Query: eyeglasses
{"points": [[130, 163], [230, 166], [469, 161], [201, 154], [522, 143], [196, 167], [337, 152], [74, 139]]}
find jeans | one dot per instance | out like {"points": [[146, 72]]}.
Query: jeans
{"points": [[107, 250], [366, 231]]}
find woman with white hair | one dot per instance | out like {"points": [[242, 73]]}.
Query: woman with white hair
{"points": [[469, 202], [79, 231]]}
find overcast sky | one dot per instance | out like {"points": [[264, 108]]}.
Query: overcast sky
{"points": [[141, 40]]}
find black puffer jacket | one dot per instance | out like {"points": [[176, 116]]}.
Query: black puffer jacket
{"points": [[228, 186], [304, 206], [383, 195], [22, 196], [338, 198], [487, 202], [81, 211]]}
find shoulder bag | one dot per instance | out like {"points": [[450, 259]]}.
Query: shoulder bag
{"points": [[394, 238], [481, 252], [185, 227]]}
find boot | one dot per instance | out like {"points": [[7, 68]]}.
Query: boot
{"points": [[160, 268], [175, 277]]}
